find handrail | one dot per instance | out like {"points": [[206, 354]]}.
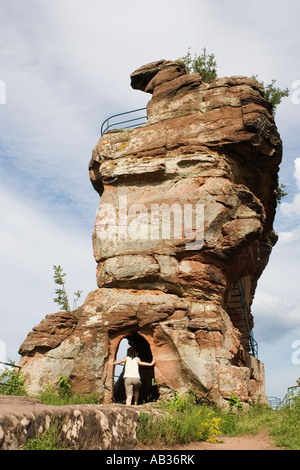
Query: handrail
{"points": [[10, 365], [274, 402], [110, 125], [292, 393], [289, 397], [253, 344], [116, 375]]}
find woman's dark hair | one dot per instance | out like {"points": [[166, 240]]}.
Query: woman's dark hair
{"points": [[131, 352]]}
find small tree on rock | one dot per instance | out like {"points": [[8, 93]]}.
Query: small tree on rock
{"points": [[62, 297], [273, 94], [205, 64]]}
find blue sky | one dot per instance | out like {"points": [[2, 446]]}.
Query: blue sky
{"points": [[66, 67]]}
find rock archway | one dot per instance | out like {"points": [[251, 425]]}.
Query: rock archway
{"points": [[148, 390]]}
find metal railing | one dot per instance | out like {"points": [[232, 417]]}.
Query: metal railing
{"points": [[135, 121], [274, 402], [292, 393], [118, 372], [9, 364], [252, 344]]}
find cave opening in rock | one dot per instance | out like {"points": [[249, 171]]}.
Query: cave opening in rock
{"points": [[148, 390]]}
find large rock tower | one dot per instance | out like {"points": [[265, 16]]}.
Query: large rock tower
{"points": [[183, 233]]}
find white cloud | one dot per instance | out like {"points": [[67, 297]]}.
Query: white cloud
{"points": [[290, 212], [292, 209], [290, 236], [276, 317], [297, 172]]}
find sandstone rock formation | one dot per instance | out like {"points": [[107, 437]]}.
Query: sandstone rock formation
{"points": [[183, 232], [80, 427]]}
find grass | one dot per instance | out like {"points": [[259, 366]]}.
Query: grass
{"points": [[179, 421], [53, 396], [50, 439], [283, 425], [177, 424], [12, 383]]}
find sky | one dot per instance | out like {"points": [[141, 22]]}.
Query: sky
{"points": [[65, 67]]}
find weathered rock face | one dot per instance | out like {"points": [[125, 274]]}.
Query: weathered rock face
{"points": [[81, 427], [182, 234], [52, 331]]}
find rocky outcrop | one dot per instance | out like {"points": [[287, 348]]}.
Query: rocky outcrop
{"points": [[52, 331], [183, 232], [79, 427]]}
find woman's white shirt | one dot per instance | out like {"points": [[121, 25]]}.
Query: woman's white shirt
{"points": [[131, 368]]}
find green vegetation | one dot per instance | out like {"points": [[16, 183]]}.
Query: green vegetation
{"points": [[273, 94], [184, 420], [280, 193], [283, 425], [62, 395], [61, 293], [12, 381], [206, 65], [50, 439], [180, 421]]}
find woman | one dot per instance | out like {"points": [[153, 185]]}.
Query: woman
{"points": [[132, 379]]}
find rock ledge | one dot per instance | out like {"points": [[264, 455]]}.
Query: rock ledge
{"points": [[83, 427]]}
